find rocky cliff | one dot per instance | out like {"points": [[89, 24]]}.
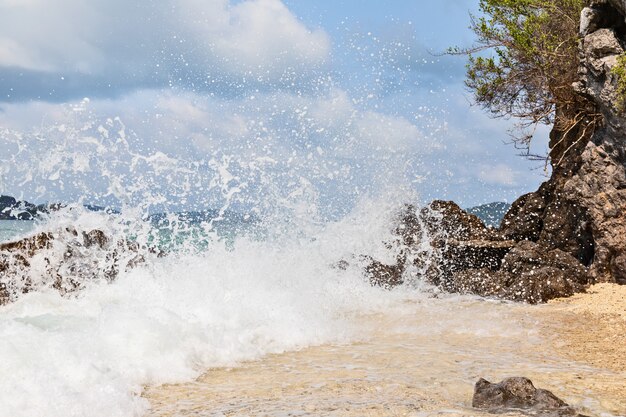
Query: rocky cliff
{"points": [[569, 233], [599, 184]]}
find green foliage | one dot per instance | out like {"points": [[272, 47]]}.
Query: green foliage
{"points": [[619, 71], [532, 60]]}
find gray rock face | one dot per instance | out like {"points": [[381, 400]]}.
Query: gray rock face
{"points": [[598, 187], [588, 20], [513, 394], [601, 43]]}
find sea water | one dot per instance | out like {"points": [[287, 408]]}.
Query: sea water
{"points": [[11, 229], [171, 318]]}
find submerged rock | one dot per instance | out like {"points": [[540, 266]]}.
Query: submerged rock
{"points": [[519, 393]]}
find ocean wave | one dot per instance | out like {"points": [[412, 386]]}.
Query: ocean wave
{"points": [[170, 318]]}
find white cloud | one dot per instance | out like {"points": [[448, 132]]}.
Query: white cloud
{"points": [[499, 174], [271, 143], [260, 37], [392, 133], [144, 43], [12, 54]]}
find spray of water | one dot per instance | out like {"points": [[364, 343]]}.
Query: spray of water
{"points": [[203, 232]]}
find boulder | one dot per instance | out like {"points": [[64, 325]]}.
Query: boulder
{"points": [[524, 220], [529, 273], [601, 43], [383, 275], [445, 219], [519, 393], [438, 241], [64, 260]]}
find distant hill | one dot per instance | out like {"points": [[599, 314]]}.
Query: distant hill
{"points": [[12, 209], [491, 214]]}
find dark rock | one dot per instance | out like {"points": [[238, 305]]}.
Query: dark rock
{"points": [[529, 273], [539, 274], [524, 220], [385, 276], [513, 394], [460, 255], [456, 240], [464, 256], [447, 219], [459, 241], [600, 189], [64, 260], [95, 238]]}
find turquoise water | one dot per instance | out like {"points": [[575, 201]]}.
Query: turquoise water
{"points": [[10, 229], [168, 237]]}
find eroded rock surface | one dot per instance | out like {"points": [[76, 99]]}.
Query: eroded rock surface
{"points": [[65, 260], [519, 393], [464, 256]]}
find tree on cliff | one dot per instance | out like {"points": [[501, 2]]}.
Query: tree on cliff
{"points": [[531, 69]]}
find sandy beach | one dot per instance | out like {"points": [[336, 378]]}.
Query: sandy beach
{"points": [[423, 360], [592, 326]]}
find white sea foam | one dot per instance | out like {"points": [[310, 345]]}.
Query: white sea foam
{"points": [[90, 353], [174, 317]]}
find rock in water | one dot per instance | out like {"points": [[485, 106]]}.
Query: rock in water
{"points": [[64, 260], [12, 209], [464, 256], [519, 393]]}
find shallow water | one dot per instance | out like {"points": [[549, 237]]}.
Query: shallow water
{"points": [[171, 318], [283, 332], [420, 359], [10, 229]]}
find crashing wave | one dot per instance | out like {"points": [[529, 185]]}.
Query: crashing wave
{"points": [[65, 260]]}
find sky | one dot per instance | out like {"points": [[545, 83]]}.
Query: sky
{"points": [[202, 102]]}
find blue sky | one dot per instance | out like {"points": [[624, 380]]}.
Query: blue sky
{"points": [[205, 102]]}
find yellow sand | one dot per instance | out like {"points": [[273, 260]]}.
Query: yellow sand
{"points": [[593, 326], [423, 359]]}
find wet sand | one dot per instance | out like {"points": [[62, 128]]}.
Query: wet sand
{"points": [[423, 358]]}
